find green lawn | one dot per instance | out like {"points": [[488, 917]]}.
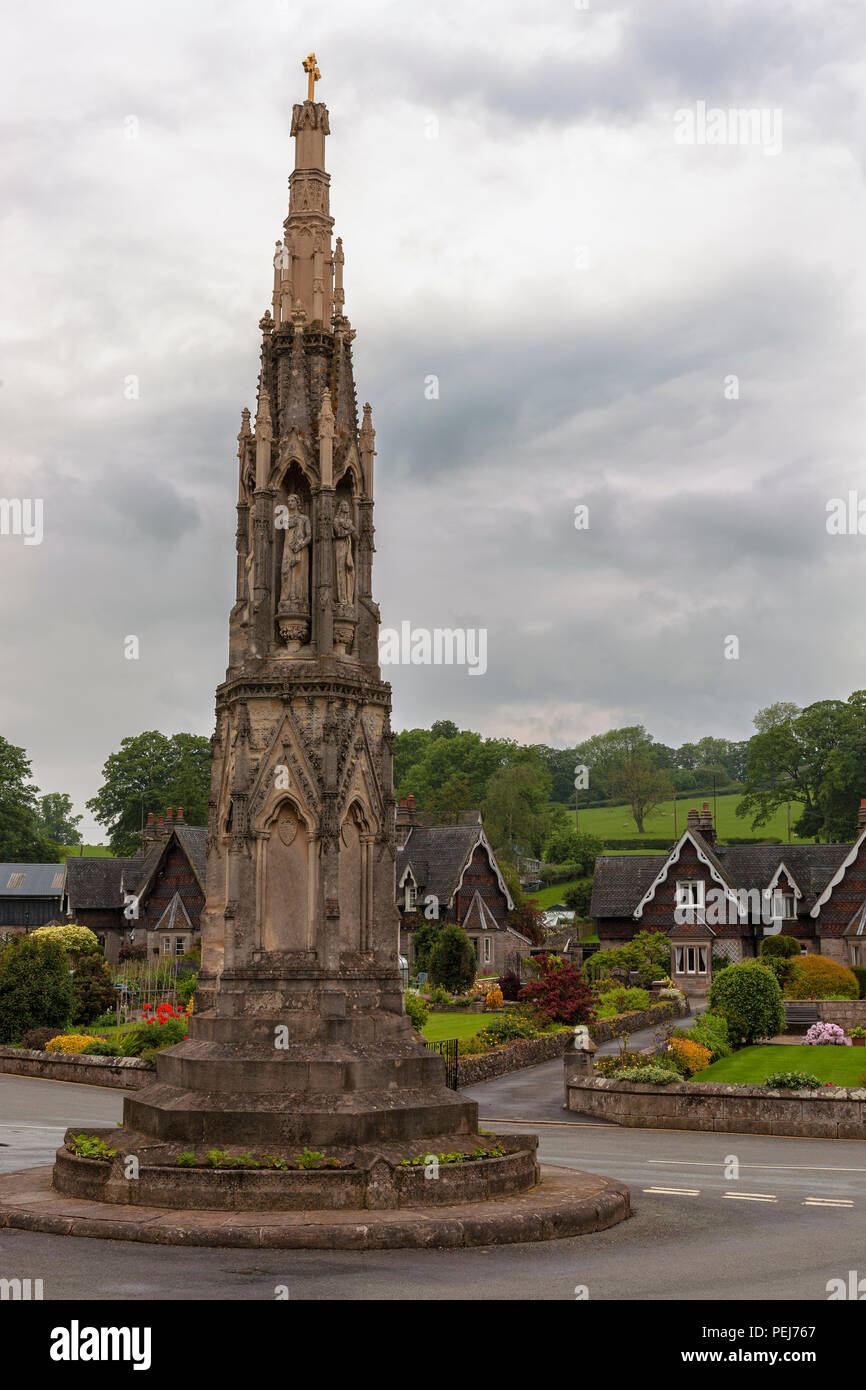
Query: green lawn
{"points": [[456, 1025], [751, 1066], [86, 851], [617, 823]]}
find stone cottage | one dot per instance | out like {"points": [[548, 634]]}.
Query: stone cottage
{"points": [[721, 900], [153, 899], [449, 873]]}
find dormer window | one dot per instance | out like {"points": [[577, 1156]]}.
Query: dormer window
{"points": [[410, 893], [784, 905]]}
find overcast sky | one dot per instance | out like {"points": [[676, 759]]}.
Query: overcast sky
{"points": [[521, 220]]}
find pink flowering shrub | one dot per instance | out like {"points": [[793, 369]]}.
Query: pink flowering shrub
{"points": [[826, 1035]]}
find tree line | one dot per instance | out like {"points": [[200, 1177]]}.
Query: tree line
{"points": [[813, 758]]}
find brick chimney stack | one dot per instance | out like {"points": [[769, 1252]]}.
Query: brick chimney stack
{"points": [[692, 822], [406, 817], [705, 825], [148, 834], [178, 820], [861, 816]]}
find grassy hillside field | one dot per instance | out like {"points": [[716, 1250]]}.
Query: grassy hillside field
{"points": [[87, 851], [617, 823]]}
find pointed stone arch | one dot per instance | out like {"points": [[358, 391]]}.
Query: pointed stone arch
{"points": [[287, 878], [356, 879]]}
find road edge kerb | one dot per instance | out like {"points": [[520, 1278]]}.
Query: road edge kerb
{"points": [[560, 1207]]}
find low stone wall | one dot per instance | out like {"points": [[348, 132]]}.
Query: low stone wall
{"points": [[513, 1056], [848, 1013], [724, 1109], [123, 1073], [665, 1012]]}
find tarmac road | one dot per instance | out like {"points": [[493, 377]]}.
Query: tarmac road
{"points": [[793, 1218]]}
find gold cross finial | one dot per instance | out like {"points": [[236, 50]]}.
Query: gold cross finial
{"points": [[313, 75]]}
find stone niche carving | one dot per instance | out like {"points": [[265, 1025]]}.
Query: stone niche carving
{"points": [[355, 881], [293, 608], [345, 533], [286, 887]]}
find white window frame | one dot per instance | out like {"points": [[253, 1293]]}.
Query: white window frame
{"points": [[687, 900], [691, 960], [488, 950], [166, 945], [781, 899]]}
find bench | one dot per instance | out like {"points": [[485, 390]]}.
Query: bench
{"points": [[799, 1014]]}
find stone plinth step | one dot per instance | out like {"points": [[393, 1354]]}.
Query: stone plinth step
{"points": [[563, 1204]]}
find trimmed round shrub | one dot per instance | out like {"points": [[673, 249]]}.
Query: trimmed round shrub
{"points": [[748, 997], [820, 977], [35, 987], [77, 940]]}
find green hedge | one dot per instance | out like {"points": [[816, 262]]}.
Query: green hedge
{"points": [[640, 842]]}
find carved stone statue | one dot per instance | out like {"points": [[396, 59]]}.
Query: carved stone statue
{"points": [[295, 571], [344, 558]]}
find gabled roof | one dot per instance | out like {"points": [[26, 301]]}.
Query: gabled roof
{"points": [[705, 854], [101, 883], [439, 856], [857, 925], [32, 880], [94, 883], [192, 842], [622, 880], [175, 917], [478, 916], [783, 869], [840, 873]]}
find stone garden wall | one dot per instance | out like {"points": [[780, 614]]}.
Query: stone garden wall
{"points": [[665, 1012], [525, 1052], [836, 1114], [123, 1073], [847, 1013]]}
